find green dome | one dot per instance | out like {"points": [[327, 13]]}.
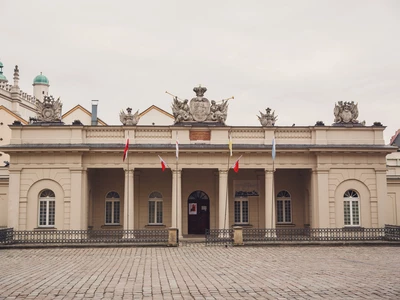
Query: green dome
{"points": [[41, 79], [2, 77]]}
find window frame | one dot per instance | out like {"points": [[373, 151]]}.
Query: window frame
{"points": [[242, 213], [47, 197], [285, 198], [113, 198], [351, 196], [157, 199]]}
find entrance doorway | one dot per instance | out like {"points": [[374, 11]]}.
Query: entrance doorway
{"points": [[199, 213]]}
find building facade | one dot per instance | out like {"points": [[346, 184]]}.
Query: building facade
{"points": [[74, 176]]}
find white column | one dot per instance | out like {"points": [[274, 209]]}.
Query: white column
{"points": [[269, 200], [177, 200], [13, 199], [314, 200], [128, 200], [223, 210], [85, 200]]}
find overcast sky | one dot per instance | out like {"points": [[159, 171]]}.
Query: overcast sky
{"points": [[296, 57]]}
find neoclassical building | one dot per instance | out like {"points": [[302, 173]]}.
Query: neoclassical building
{"points": [[74, 176]]}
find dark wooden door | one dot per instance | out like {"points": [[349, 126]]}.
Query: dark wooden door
{"points": [[199, 213]]}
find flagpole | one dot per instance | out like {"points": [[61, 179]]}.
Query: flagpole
{"points": [[127, 223], [273, 154], [227, 177], [176, 182], [273, 193], [176, 193], [127, 190], [227, 192]]}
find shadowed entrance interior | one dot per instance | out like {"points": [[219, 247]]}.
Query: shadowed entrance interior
{"points": [[199, 212]]}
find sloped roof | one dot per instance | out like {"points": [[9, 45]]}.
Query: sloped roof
{"points": [[158, 109], [395, 139], [22, 120], [77, 107]]}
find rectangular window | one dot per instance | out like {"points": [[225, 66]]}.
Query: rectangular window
{"points": [[284, 211], [351, 213], [241, 207], [355, 213], [155, 212], [47, 213], [113, 212], [159, 212], [347, 220]]}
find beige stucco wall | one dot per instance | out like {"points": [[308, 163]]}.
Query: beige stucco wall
{"points": [[394, 201], [393, 185], [80, 115], [155, 117], [82, 177], [5, 132], [103, 181], [3, 202]]}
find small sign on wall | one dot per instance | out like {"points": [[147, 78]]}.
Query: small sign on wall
{"points": [[197, 135], [246, 188], [192, 208]]}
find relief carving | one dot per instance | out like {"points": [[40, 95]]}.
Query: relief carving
{"points": [[49, 110], [199, 109], [346, 113]]}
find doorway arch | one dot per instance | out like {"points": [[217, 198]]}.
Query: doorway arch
{"points": [[198, 212]]}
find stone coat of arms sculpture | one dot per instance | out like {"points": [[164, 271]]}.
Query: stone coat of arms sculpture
{"points": [[199, 109], [49, 110], [129, 118], [346, 112], [267, 119]]}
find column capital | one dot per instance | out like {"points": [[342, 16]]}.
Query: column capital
{"points": [[174, 171], [76, 169], [268, 171], [380, 171], [223, 171], [129, 170], [320, 171]]}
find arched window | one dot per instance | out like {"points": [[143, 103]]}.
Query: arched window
{"points": [[113, 208], [351, 208], [47, 208], [283, 207], [155, 208]]}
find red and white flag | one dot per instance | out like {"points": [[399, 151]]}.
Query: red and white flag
{"points": [[177, 148], [235, 166], [126, 150], [163, 163]]}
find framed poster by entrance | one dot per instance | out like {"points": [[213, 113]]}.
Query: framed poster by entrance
{"points": [[192, 208]]}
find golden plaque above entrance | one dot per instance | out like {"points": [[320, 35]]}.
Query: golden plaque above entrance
{"points": [[200, 135]]}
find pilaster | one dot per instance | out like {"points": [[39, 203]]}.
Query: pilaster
{"points": [[13, 198], [77, 200], [384, 207]]}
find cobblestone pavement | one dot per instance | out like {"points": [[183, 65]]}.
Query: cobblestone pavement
{"points": [[198, 272]]}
